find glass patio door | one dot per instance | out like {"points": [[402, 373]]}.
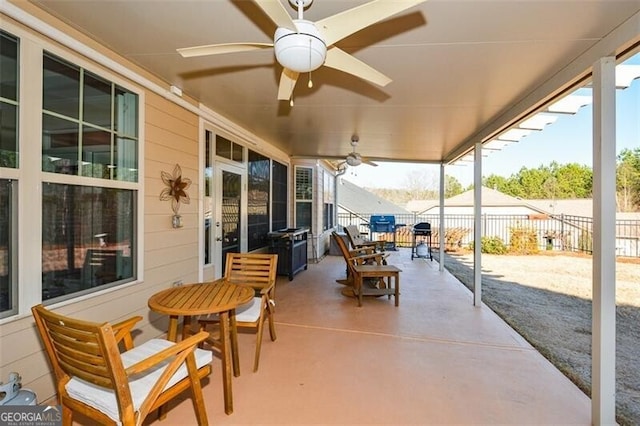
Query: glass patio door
{"points": [[228, 214]]}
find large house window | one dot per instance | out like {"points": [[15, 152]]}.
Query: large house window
{"points": [[304, 196], [259, 177], [9, 104], [89, 130], [208, 195], [87, 238], [279, 189], [329, 201], [8, 293], [89, 125], [8, 100]]}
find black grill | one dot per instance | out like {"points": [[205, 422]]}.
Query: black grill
{"points": [[422, 228]]}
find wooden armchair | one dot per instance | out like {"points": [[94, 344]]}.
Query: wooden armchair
{"points": [[369, 274], [256, 270], [95, 379], [361, 256], [358, 241]]}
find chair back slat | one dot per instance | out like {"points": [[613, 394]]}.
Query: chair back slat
{"points": [[257, 270], [355, 237]]}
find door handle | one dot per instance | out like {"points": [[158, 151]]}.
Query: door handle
{"points": [[218, 238]]}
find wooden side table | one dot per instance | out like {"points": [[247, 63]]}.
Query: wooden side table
{"points": [[390, 272]]}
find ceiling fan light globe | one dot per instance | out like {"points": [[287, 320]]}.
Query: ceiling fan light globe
{"points": [[354, 160], [302, 51]]}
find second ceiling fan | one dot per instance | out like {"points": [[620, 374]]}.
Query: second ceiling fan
{"points": [[354, 159], [302, 46]]}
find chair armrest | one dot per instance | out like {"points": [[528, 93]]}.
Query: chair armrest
{"points": [[175, 356], [182, 349], [379, 256], [267, 289], [362, 250], [370, 243], [122, 331]]}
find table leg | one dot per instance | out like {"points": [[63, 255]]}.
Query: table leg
{"points": [[396, 278], [234, 342], [226, 366], [186, 326], [172, 332]]}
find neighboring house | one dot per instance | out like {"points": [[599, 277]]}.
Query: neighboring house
{"points": [[358, 201], [493, 202]]}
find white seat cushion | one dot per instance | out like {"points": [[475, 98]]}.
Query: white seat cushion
{"points": [[104, 399], [249, 312]]}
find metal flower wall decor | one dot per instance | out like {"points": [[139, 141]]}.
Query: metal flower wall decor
{"points": [[176, 191]]}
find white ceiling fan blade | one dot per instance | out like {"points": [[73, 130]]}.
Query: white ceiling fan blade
{"points": [[278, 14], [335, 28], [288, 80], [341, 60], [219, 49]]}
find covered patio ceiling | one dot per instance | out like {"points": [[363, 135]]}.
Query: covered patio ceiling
{"points": [[462, 71]]}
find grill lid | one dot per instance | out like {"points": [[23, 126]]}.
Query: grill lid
{"points": [[422, 228]]}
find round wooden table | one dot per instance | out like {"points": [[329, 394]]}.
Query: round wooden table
{"points": [[217, 297]]}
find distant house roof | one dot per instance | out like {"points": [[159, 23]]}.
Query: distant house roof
{"points": [[354, 199], [490, 197], [575, 207]]}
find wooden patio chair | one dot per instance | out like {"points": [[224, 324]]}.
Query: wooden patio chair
{"points": [[93, 378], [369, 274], [357, 240], [256, 270], [362, 255]]}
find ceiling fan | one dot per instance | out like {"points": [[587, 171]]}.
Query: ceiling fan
{"points": [[354, 158], [302, 46]]}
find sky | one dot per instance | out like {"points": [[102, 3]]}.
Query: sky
{"points": [[568, 140]]}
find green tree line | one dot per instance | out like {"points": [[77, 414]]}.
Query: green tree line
{"points": [[566, 181], [553, 181]]}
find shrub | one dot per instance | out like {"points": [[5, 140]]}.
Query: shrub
{"points": [[585, 241], [491, 245]]}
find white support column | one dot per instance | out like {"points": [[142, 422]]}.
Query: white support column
{"points": [[441, 226], [477, 225], [603, 398]]}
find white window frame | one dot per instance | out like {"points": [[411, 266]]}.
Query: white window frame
{"points": [[302, 200], [31, 178]]}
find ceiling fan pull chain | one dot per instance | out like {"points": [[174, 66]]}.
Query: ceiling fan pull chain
{"points": [[310, 84]]}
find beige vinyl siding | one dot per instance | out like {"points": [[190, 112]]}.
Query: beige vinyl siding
{"points": [[171, 136]]}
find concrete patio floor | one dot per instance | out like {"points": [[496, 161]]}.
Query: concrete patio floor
{"points": [[435, 359]]}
